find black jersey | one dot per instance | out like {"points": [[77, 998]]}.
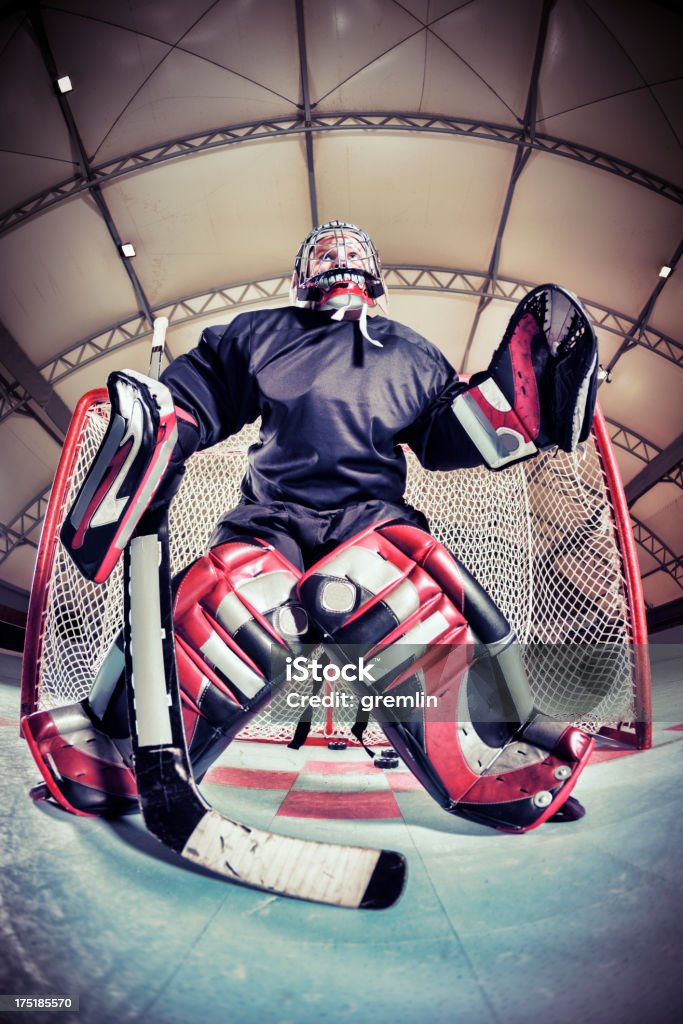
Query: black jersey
{"points": [[334, 408]]}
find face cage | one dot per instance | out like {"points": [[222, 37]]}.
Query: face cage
{"points": [[308, 289]]}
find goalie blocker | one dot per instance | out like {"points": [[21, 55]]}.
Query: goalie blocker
{"points": [[540, 388], [131, 461]]}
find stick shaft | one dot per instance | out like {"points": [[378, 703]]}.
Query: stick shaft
{"points": [[158, 343]]}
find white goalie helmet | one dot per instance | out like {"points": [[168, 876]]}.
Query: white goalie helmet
{"points": [[338, 268]]}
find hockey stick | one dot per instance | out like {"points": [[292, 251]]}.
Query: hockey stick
{"points": [[172, 807]]}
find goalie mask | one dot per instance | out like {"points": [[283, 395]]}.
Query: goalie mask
{"points": [[337, 268]]}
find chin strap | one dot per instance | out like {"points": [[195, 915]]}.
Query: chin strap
{"points": [[340, 314]]}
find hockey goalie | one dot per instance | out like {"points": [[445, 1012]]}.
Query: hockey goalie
{"points": [[323, 548]]}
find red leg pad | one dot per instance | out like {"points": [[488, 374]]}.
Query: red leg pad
{"points": [[396, 596], [83, 770], [231, 607]]}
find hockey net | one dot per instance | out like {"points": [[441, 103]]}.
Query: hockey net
{"points": [[549, 539]]}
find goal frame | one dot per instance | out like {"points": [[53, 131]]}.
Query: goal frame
{"points": [[637, 732], [642, 726]]}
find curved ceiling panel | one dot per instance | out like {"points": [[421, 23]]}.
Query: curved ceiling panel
{"points": [[601, 126], [501, 57], [655, 404], [344, 37], [29, 111], [168, 21], [224, 215], [106, 71], [61, 279], [17, 568], [27, 463], [666, 315], [583, 63], [444, 319], [651, 38], [254, 42], [603, 237], [187, 94], [445, 193]]}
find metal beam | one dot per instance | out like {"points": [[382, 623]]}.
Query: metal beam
{"points": [[521, 158], [230, 298], [29, 388], [86, 173], [667, 560], [634, 335], [284, 127], [645, 450], [16, 532], [529, 133], [674, 476], [303, 67], [665, 465], [667, 470], [629, 441], [13, 398]]}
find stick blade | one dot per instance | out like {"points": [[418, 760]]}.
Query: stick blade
{"points": [[387, 881], [178, 816], [342, 876]]}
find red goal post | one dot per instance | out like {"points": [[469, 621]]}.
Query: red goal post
{"points": [[550, 539]]}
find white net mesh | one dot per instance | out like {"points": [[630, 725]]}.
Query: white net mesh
{"points": [[539, 537]]}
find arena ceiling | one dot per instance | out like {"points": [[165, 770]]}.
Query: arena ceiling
{"points": [[486, 145]]}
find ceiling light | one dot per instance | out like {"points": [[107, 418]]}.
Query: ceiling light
{"points": [[64, 84], [128, 249], [665, 271]]}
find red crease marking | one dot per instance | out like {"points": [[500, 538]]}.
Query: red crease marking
{"points": [[341, 767], [250, 778], [339, 806]]}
